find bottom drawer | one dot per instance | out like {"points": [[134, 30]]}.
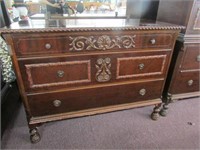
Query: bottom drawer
{"points": [[83, 99], [185, 82]]}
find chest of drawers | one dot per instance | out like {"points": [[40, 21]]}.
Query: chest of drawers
{"points": [[184, 73], [187, 72], [72, 72]]}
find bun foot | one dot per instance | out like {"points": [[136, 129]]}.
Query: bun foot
{"points": [[164, 110], [155, 114], [34, 136]]}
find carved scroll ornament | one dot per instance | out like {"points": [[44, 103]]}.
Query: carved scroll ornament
{"points": [[103, 42], [103, 70]]}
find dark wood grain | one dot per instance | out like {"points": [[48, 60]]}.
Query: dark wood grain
{"points": [[69, 72]]}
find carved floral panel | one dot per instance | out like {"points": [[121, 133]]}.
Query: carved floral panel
{"points": [[103, 42], [103, 69]]}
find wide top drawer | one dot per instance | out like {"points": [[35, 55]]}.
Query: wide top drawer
{"points": [[44, 44]]}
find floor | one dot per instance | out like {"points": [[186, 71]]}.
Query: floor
{"points": [[127, 129]]}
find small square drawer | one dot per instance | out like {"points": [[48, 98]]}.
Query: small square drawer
{"points": [[43, 44], [130, 67], [93, 98], [156, 40], [58, 73], [191, 58]]}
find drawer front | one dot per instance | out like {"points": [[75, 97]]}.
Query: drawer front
{"points": [[73, 72], [129, 67], [38, 44], [191, 58], [76, 100], [94, 42], [161, 41], [185, 82], [55, 73]]}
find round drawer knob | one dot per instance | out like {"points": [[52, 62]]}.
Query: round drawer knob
{"points": [[198, 58], [47, 46], [190, 82], [141, 66], [142, 92], [56, 103], [60, 73], [153, 41]]}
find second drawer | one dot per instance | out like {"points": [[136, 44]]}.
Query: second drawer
{"points": [[67, 72]]}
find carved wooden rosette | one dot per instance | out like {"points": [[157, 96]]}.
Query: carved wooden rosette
{"points": [[103, 69], [103, 42]]}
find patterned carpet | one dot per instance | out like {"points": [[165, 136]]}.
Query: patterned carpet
{"points": [[128, 129]]}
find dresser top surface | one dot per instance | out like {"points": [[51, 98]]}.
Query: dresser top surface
{"points": [[59, 25]]}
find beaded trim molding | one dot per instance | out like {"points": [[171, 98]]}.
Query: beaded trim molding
{"points": [[90, 29]]}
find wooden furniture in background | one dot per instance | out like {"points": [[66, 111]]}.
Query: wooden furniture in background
{"points": [[89, 67], [183, 78], [33, 8], [89, 5]]}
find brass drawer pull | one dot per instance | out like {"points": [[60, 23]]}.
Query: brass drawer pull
{"points": [[56, 103], [190, 82], [198, 58], [47, 46], [153, 41], [142, 92], [141, 66], [60, 73]]}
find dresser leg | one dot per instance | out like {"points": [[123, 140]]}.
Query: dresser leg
{"points": [[168, 99], [155, 114], [34, 135], [164, 110]]}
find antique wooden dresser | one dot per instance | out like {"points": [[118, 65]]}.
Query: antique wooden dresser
{"points": [[184, 73], [78, 67]]}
